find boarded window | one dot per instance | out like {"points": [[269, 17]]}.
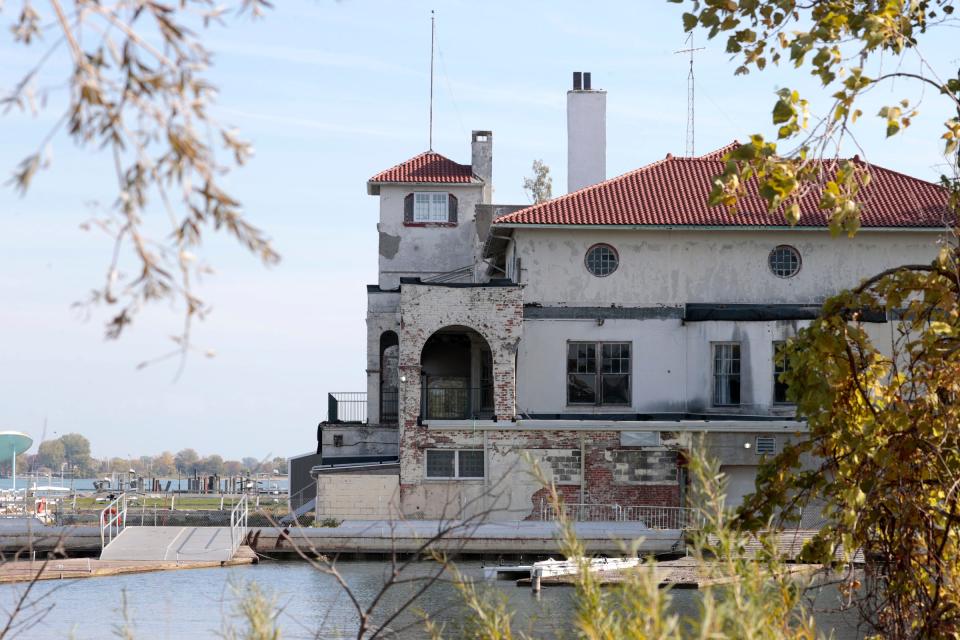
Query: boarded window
{"points": [[598, 373], [440, 464], [726, 374], [470, 464]]}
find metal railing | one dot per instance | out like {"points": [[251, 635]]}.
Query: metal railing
{"points": [[651, 517], [389, 406], [347, 406], [113, 518], [238, 523], [457, 403]]}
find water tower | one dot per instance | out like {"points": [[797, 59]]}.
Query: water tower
{"points": [[12, 444]]}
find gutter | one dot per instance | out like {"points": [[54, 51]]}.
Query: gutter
{"points": [[666, 227]]}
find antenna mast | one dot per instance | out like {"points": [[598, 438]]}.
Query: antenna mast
{"points": [[689, 152], [433, 30]]}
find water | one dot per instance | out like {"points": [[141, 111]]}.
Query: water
{"points": [[195, 603]]}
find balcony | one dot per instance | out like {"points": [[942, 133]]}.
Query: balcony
{"points": [[457, 403], [347, 407]]}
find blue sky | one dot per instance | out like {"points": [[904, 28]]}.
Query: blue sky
{"points": [[330, 93]]}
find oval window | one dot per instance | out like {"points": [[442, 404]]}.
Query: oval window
{"points": [[784, 261], [601, 260]]}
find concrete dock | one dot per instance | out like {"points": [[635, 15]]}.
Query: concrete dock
{"points": [[355, 537]]}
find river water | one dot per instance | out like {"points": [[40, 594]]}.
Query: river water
{"points": [[196, 603]]}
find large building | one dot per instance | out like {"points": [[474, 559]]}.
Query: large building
{"points": [[601, 334]]}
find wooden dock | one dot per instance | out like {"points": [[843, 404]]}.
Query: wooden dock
{"points": [[70, 568]]}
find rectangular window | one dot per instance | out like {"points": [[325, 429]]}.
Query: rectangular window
{"points": [[430, 206], [455, 463], [726, 374], [598, 373], [766, 445], [780, 365]]}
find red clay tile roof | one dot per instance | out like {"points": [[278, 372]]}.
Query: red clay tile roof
{"points": [[674, 192], [430, 167]]}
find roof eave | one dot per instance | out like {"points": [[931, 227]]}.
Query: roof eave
{"points": [[692, 227]]}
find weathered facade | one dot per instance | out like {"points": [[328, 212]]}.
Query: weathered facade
{"points": [[600, 335]]}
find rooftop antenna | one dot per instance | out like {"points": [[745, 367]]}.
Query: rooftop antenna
{"points": [[691, 50], [433, 30]]}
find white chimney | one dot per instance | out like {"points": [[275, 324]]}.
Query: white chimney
{"points": [[481, 158], [586, 133]]}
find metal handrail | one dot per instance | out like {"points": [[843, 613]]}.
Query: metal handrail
{"points": [[653, 517], [113, 518], [238, 522]]}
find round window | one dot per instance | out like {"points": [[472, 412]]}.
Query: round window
{"points": [[784, 261], [601, 260]]}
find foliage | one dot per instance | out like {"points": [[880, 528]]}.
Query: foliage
{"points": [[51, 454], [884, 421], [763, 601], [134, 74], [258, 612], [539, 186], [839, 42]]}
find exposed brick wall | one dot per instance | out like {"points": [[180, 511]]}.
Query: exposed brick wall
{"points": [[496, 313], [612, 473]]}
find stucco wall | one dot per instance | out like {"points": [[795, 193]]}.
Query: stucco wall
{"points": [[671, 368], [425, 250], [676, 267], [383, 314]]}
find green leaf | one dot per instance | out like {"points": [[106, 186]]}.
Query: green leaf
{"points": [[689, 21]]}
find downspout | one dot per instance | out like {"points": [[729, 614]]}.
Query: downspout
{"points": [[583, 469]]}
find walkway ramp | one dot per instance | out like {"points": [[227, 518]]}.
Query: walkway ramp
{"points": [[172, 544]]}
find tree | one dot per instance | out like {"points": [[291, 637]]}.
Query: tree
{"points": [[883, 412], [76, 449], [844, 45], [164, 464], [134, 74], [250, 464], [186, 460], [539, 186], [212, 465], [51, 454]]}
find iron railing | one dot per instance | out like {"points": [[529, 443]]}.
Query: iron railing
{"points": [[457, 403], [650, 517], [238, 523], [347, 406], [113, 519], [389, 406]]}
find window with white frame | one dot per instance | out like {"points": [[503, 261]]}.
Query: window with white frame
{"points": [[431, 206], [780, 366], [726, 374], [455, 463], [598, 373]]}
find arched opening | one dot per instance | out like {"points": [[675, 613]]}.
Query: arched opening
{"points": [[389, 376], [456, 376]]}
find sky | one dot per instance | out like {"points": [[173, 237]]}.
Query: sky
{"points": [[331, 93]]}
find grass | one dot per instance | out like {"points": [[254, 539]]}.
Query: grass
{"points": [[181, 503]]}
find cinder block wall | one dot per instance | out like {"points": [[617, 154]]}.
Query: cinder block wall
{"points": [[357, 497]]}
